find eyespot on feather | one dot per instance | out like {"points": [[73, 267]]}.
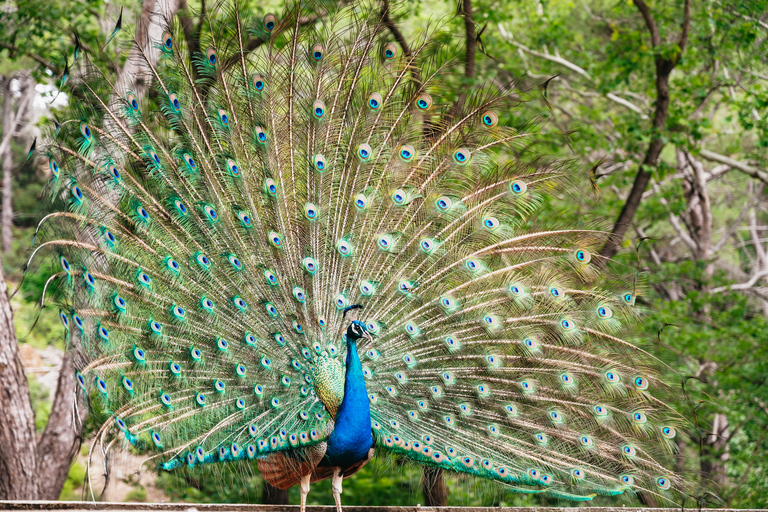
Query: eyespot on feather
{"points": [[132, 102], [361, 202], [374, 101], [224, 117], [317, 52], [318, 109], [407, 153], [582, 256], [390, 51], [234, 170], [258, 82], [320, 163], [424, 102], [174, 100], [461, 156], [270, 21], [85, 131], [260, 134], [310, 211], [490, 118], [211, 56], [364, 152], [518, 187]]}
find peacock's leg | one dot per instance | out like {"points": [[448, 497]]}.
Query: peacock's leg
{"points": [[336, 486], [304, 490]]}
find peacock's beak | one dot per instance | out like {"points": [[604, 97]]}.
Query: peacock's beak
{"points": [[367, 335]]}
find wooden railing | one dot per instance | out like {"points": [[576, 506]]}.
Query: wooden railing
{"points": [[222, 507]]}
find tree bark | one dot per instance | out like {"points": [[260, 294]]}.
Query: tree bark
{"points": [[11, 124], [664, 67], [18, 458], [62, 437], [714, 464], [6, 216], [434, 488], [136, 75]]}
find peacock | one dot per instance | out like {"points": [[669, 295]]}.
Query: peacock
{"points": [[302, 252]]}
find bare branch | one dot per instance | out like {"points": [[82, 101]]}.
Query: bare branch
{"points": [[392, 26], [741, 166], [675, 221], [398, 35], [732, 229], [742, 286], [547, 56], [471, 46], [573, 67]]}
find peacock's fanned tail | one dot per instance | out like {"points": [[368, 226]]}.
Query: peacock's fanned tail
{"points": [[204, 255]]}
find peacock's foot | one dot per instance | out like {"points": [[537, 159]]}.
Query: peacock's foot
{"points": [[336, 486], [304, 491]]}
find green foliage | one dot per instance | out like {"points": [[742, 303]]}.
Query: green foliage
{"points": [[384, 481], [717, 337], [72, 490], [39, 397], [137, 494]]}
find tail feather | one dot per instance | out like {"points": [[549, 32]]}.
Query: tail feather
{"points": [[302, 164]]}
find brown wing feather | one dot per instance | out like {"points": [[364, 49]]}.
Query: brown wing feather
{"points": [[284, 470], [354, 468], [324, 472]]}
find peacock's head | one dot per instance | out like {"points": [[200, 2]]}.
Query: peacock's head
{"points": [[357, 330]]}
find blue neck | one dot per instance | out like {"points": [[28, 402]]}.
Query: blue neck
{"points": [[351, 437]]}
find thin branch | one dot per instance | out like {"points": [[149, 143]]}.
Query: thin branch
{"points": [[573, 67], [654, 255], [392, 26], [547, 56], [24, 103], [715, 157], [675, 221], [399, 37], [471, 47], [685, 30], [732, 229], [742, 286], [649, 22]]}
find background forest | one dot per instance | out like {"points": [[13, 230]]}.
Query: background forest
{"points": [[659, 107]]}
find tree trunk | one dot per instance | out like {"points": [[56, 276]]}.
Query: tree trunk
{"points": [[714, 463], [434, 488], [271, 495], [6, 216], [664, 67], [18, 461], [11, 124], [644, 174], [62, 437]]}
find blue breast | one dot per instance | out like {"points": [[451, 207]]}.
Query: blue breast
{"points": [[351, 437]]}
